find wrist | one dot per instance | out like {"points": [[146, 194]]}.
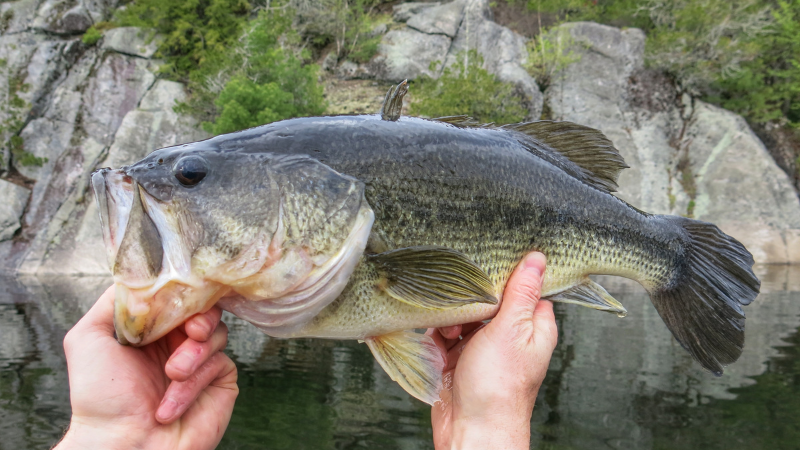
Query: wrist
{"points": [[82, 436], [510, 432]]}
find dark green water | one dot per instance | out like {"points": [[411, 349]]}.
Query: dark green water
{"points": [[613, 383]]}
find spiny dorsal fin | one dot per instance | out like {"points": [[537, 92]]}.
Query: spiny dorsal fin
{"points": [[595, 155], [393, 102], [594, 159]]}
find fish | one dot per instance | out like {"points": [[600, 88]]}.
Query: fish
{"points": [[369, 227]]}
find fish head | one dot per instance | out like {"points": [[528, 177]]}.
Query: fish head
{"points": [[186, 227]]}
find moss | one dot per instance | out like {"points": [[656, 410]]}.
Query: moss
{"points": [[91, 36], [690, 209]]}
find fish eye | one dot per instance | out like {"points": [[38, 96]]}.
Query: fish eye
{"points": [[190, 170]]}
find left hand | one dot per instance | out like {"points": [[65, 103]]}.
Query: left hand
{"points": [[175, 393]]}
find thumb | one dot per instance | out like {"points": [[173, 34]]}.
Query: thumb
{"points": [[523, 290]]}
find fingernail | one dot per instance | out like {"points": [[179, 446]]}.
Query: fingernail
{"points": [[534, 261], [167, 409], [182, 363]]}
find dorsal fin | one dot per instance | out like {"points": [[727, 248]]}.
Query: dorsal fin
{"points": [[583, 152], [393, 102], [595, 155]]}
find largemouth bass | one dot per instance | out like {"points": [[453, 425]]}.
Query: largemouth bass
{"points": [[367, 227]]}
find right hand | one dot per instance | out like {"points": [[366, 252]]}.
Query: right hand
{"points": [[493, 373], [175, 393]]}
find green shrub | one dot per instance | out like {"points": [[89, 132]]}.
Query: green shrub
{"points": [[345, 23], [91, 36], [258, 81], [548, 54], [467, 88]]}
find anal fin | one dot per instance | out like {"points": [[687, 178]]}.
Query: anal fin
{"points": [[412, 360], [592, 295]]}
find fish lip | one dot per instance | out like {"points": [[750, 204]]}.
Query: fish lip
{"points": [[113, 191]]}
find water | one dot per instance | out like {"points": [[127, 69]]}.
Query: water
{"points": [[613, 383]]}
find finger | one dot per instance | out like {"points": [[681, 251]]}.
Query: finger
{"points": [[199, 327], [455, 351], [100, 317], [546, 329], [181, 394], [439, 340], [175, 339], [522, 291], [192, 354], [468, 328], [451, 332]]}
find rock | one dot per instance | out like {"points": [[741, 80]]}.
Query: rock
{"points": [[407, 54], [404, 11], [17, 16], [72, 242], [15, 198], [504, 52], [348, 70], [739, 186], [74, 134], [379, 29], [100, 10], [329, 62], [687, 157], [132, 41], [62, 17], [442, 19]]}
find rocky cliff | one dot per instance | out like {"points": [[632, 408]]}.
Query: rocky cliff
{"points": [[79, 107]]}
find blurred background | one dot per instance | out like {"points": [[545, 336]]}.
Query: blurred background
{"points": [[701, 97]]}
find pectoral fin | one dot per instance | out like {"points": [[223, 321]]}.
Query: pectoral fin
{"points": [[592, 295], [412, 360], [433, 277]]}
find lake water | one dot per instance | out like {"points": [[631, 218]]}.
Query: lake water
{"points": [[613, 383]]}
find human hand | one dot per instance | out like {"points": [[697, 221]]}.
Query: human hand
{"points": [[493, 374], [175, 393]]}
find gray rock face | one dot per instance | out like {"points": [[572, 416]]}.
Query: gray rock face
{"points": [[76, 107], [437, 34], [73, 241], [404, 11], [17, 16], [62, 17], [132, 41], [687, 157], [442, 19], [408, 54], [14, 199]]}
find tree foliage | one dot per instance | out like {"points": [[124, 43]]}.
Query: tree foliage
{"points": [[740, 54], [194, 30]]}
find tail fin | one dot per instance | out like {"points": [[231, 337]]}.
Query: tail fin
{"points": [[702, 305]]}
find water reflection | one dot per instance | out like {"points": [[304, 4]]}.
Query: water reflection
{"points": [[613, 383]]}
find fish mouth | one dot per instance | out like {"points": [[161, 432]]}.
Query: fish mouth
{"points": [[149, 254]]}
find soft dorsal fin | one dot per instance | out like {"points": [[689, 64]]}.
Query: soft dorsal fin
{"points": [[583, 152], [589, 149]]}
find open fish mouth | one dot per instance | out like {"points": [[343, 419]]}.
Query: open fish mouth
{"points": [[150, 261]]}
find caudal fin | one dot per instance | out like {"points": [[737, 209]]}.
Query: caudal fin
{"points": [[702, 305]]}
